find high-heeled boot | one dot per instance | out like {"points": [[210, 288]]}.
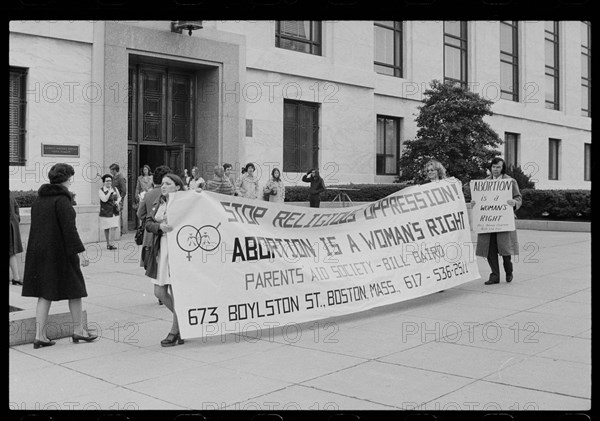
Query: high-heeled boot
{"points": [[172, 339]]}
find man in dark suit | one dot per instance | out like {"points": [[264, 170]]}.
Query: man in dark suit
{"points": [[121, 184]]}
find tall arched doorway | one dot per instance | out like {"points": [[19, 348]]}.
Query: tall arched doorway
{"points": [[161, 120]]}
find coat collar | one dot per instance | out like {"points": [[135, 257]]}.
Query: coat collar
{"points": [[54, 190]]}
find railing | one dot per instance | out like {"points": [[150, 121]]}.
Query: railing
{"points": [[342, 197]]}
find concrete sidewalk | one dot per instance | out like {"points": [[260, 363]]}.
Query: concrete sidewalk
{"points": [[519, 346]]}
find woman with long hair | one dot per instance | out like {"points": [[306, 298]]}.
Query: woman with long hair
{"points": [[143, 185], [274, 191], [434, 170], [157, 267]]}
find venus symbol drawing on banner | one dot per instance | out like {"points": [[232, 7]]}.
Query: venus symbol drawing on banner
{"points": [[190, 238]]}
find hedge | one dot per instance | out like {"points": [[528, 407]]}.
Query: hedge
{"points": [[24, 198], [361, 192], [556, 204]]}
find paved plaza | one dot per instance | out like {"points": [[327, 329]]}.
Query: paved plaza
{"points": [[519, 346]]}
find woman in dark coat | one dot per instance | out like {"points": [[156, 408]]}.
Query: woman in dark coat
{"points": [[16, 245], [52, 271]]}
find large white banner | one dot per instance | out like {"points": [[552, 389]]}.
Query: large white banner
{"points": [[240, 265], [491, 212]]}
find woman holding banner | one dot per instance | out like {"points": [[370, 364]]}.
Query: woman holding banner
{"points": [[157, 261], [504, 243], [435, 171]]}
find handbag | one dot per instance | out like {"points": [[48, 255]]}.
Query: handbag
{"points": [[269, 191], [139, 233], [115, 204]]}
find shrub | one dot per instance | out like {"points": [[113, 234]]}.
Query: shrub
{"points": [[452, 130], [556, 204], [363, 192], [25, 198], [523, 180]]}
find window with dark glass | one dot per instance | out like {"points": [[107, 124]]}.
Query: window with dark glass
{"points": [[455, 52], [511, 149], [551, 41], [299, 35], [388, 145], [16, 116], [509, 60], [388, 47], [586, 69], [553, 159], [300, 136], [587, 159]]}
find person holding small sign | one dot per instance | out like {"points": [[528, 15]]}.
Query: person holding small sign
{"points": [[505, 244]]}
